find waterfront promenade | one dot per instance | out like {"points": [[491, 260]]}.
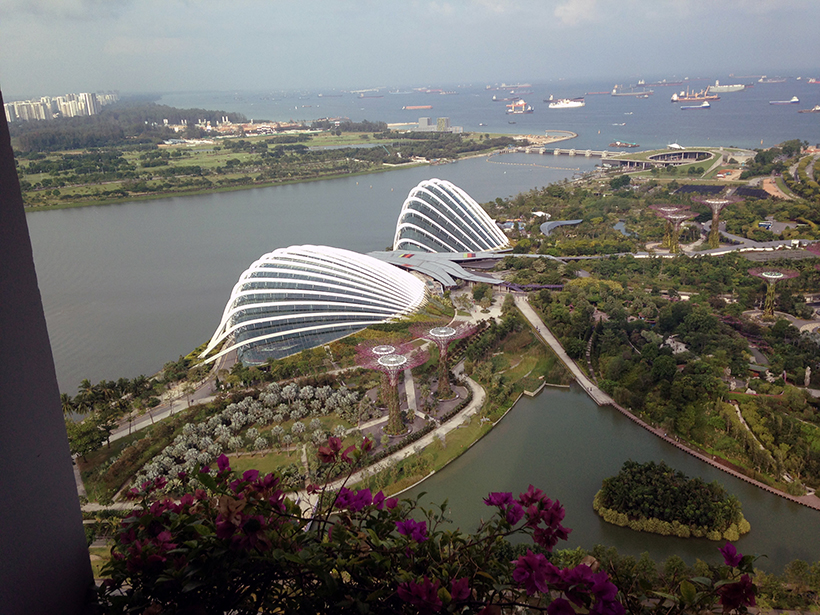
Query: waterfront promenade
{"points": [[602, 399]]}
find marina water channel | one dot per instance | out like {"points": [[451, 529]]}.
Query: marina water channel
{"points": [[128, 287]]}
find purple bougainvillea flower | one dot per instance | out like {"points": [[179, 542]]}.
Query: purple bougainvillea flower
{"points": [[460, 589], [391, 503], [327, 454], [531, 571], [514, 513], [414, 530], [730, 555], [735, 595], [223, 463], [378, 500], [250, 475], [498, 498], [422, 595], [559, 606]]}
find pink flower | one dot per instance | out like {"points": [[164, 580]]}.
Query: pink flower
{"points": [[422, 595], [378, 500], [391, 503], [730, 555], [366, 445], [346, 454]]}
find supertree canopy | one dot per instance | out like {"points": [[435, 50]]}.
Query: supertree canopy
{"points": [[716, 205], [771, 276], [662, 211], [443, 337], [390, 360], [674, 217]]}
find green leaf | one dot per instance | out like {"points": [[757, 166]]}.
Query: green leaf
{"points": [[702, 581], [674, 599], [688, 591], [201, 529], [207, 480]]}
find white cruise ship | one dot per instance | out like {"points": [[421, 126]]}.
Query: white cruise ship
{"points": [[567, 103]]}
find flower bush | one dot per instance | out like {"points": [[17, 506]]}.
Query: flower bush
{"points": [[236, 544]]}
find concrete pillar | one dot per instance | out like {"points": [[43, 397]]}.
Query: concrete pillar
{"points": [[44, 564]]}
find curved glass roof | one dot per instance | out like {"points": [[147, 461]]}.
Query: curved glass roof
{"points": [[304, 296], [438, 216]]}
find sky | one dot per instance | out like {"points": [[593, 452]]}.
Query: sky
{"points": [[50, 47]]}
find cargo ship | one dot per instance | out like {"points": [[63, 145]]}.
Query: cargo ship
{"points": [[814, 109], [725, 89], [412, 107], [813, 80], [518, 107], [765, 79], [637, 93], [687, 96], [792, 101], [566, 103]]}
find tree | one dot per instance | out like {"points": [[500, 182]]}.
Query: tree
{"points": [[621, 181], [85, 437]]}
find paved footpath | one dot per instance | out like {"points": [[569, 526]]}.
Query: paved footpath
{"points": [[601, 398], [597, 395]]}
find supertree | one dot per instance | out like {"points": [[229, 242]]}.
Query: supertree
{"points": [[772, 276], [716, 205], [443, 337], [663, 211], [390, 361]]}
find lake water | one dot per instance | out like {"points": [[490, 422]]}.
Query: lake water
{"points": [[128, 287], [564, 444]]}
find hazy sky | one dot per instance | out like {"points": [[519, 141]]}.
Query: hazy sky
{"points": [[49, 47]]}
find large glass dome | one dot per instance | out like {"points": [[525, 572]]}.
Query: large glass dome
{"points": [[304, 296], [438, 216]]}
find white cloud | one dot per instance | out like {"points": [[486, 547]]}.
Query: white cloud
{"points": [[574, 12], [140, 46], [73, 9]]}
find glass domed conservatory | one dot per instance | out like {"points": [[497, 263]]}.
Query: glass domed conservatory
{"points": [[303, 296], [438, 216]]}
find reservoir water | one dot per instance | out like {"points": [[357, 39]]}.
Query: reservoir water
{"points": [[564, 444]]}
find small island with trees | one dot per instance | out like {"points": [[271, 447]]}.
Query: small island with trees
{"points": [[652, 497]]}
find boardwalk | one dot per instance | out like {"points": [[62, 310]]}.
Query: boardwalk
{"points": [[602, 399]]}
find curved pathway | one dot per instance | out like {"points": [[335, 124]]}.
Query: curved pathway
{"points": [[308, 501], [601, 398]]}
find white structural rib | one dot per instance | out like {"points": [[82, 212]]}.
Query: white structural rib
{"points": [[438, 216], [308, 290]]}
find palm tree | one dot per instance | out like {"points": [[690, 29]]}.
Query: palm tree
{"points": [[67, 404]]}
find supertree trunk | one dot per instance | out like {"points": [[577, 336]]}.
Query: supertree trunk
{"points": [[445, 391], [714, 233], [768, 305]]}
